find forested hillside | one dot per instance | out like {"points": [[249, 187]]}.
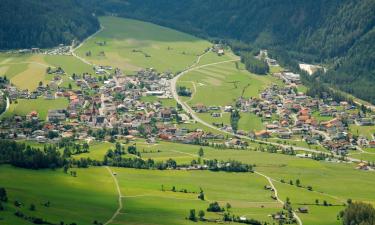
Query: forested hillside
{"points": [[38, 23], [337, 33]]}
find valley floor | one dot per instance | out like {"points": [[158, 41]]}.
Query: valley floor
{"points": [[113, 195]]}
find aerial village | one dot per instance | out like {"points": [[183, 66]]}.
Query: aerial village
{"points": [[109, 105]]}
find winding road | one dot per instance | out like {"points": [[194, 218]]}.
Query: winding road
{"points": [[190, 111], [72, 50]]}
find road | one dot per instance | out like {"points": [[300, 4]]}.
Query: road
{"points": [[191, 112], [72, 50], [119, 198]]}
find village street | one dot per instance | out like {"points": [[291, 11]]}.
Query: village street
{"points": [[191, 112]]}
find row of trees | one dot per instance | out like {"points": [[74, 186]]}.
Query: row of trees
{"points": [[228, 166], [253, 64], [24, 156], [234, 119]]}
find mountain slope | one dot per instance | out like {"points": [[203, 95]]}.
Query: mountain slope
{"points": [[337, 33], [39, 23]]}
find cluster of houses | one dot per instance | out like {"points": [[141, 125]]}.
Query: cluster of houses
{"points": [[59, 50], [132, 104], [289, 77], [135, 104], [263, 55], [287, 114]]}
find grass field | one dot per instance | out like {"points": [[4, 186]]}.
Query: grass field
{"points": [[250, 122], [320, 118], [97, 150], [24, 71], [40, 105], [222, 84], [332, 182], [146, 203], [366, 131], [70, 65], [89, 196], [132, 45]]}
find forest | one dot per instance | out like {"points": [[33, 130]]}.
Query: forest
{"points": [[43, 24]]}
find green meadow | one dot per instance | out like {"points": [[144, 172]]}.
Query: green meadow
{"points": [[332, 182], [222, 84], [131, 45], [146, 203], [40, 105], [97, 150], [148, 198], [89, 196], [366, 131], [24, 71]]}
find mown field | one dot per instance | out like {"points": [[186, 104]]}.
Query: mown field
{"points": [[332, 182], [131, 45], [146, 203], [40, 105], [25, 71], [366, 131], [83, 199], [222, 84]]}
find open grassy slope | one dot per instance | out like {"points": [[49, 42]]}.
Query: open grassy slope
{"points": [[89, 196], [24, 71], [132, 45], [146, 203], [332, 182]]}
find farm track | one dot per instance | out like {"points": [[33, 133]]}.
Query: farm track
{"points": [[30, 62], [72, 50], [269, 179], [120, 206]]}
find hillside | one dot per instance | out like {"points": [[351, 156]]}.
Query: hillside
{"points": [[336, 33], [41, 23]]}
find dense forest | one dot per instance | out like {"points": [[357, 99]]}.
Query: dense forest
{"points": [[336, 33], [38, 23]]}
